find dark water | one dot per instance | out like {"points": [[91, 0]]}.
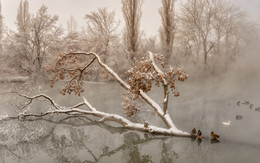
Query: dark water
{"points": [[204, 105]]}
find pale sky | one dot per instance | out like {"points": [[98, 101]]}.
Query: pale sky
{"points": [[79, 8]]}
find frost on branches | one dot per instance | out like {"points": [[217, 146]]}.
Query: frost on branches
{"points": [[73, 69], [142, 76]]}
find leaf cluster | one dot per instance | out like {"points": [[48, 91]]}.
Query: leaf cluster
{"points": [[143, 74], [71, 68], [131, 103]]}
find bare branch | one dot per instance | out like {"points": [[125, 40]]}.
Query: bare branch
{"points": [[35, 97], [157, 69], [104, 116], [165, 83], [88, 105], [111, 117], [77, 105]]}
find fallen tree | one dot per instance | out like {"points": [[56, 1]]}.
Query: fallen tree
{"points": [[72, 67]]}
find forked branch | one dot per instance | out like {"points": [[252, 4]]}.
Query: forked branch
{"points": [[164, 81], [56, 106], [102, 115]]}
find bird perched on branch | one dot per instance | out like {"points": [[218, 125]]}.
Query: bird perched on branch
{"points": [[238, 103], [214, 136], [193, 131], [199, 135], [146, 124]]}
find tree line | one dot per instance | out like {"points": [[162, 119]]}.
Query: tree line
{"points": [[198, 32]]}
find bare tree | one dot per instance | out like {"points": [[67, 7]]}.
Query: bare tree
{"points": [[23, 17], [36, 38], [101, 30], [1, 30], [150, 44], [198, 14], [42, 26], [132, 15], [101, 37], [167, 30], [72, 37], [210, 29], [226, 24], [72, 25]]}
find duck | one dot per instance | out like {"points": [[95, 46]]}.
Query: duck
{"points": [[246, 103], [238, 103], [199, 134], [214, 136], [226, 123], [193, 131], [257, 109], [239, 117]]}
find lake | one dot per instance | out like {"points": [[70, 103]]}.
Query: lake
{"points": [[202, 104]]}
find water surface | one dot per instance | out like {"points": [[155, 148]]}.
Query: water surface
{"points": [[204, 105]]}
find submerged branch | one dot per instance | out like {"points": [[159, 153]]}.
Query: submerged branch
{"points": [[111, 117]]}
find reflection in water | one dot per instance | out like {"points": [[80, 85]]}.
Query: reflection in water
{"points": [[212, 141], [168, 154], [131, 153], [199, 140], [79, 139], [193, 138], [72, 140]]}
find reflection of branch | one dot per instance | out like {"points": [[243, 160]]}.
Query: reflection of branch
{"points": [[97, 157], [90, 152], [16, 155], [140, 141], [90, 122]]}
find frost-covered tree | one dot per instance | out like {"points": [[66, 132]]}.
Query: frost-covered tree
{"points": [[101, 37], [198, 15], [101, 31], [167, 30], [1, 30], [150, 44], [72, 36], [23, 17], [36, 39], [132, 15], [209, 29], [72, 25]]}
